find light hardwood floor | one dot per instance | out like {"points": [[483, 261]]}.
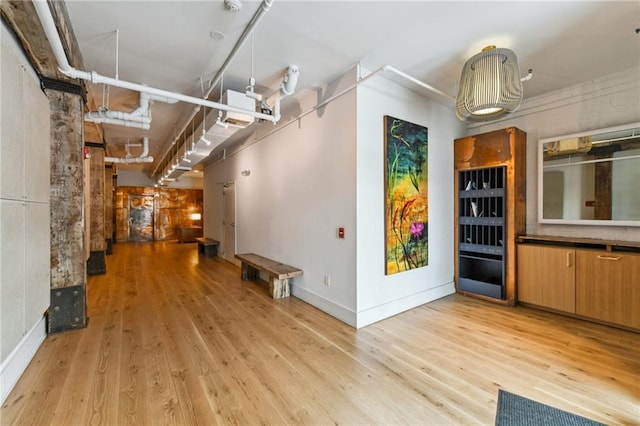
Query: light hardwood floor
{"points": [[175, 338]]}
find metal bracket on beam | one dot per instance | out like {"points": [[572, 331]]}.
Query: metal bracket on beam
{"points": [[68, 310]]}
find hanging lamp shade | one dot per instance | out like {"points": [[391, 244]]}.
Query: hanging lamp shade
{"points": [[490, 85]]}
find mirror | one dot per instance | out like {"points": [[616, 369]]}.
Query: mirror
{"points": [[590, 178]]}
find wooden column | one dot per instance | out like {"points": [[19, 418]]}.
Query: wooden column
{"points": [[603, 197], [109, 192], [68, 274], [96, 263]]}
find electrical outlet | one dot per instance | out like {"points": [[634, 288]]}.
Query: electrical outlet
{"points": [[327, 280]]}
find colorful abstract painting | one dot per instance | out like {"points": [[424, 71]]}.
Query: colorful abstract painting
{"points": [[406, 207]]}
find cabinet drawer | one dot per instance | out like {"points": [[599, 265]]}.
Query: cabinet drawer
{"points": [[608, 286]]}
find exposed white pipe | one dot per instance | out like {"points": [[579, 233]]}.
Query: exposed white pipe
{"points": [[97, 116], [143, 158], [117, 122], [418, 82], [46, 19], [359, 81], [128, 160], [264, 8], [145, 147], [288, 86]]}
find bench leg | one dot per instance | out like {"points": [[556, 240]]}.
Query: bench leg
{"points": [[200, 248], [248, 272], [211, 251], [279, 288]]}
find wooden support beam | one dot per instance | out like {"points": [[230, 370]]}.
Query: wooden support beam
{"points": [[98, 245], [603, 195], [67, 198]]}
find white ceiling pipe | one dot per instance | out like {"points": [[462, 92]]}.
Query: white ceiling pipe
{"points": [[118, 122], [143, 158], [257, 17], [264, 8], [418, 82], [51, 31], [287, 88], [131, 160], [96, 116]]}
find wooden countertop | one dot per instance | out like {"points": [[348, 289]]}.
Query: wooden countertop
{"points": [[609, 245]]}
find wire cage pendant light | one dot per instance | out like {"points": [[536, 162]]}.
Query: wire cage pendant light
{"points": [[490, 85]]}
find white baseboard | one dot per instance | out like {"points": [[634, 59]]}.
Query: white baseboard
{"points": [[335, 310], [18, 360], [378, 313]]}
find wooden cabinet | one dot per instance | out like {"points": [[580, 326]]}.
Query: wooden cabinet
{"points": [[608, 286], [489, 185], [546, 277], [592, 279]]}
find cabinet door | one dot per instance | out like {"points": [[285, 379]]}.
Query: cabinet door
{"points": [[546, 276], [608, 286]]}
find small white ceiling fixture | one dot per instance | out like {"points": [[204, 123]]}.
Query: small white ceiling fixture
{"points": [[490, 85], [233, 5]]}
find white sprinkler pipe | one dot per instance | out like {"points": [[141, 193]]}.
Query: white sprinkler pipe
{"points": [[46, 19], [143, 158]]}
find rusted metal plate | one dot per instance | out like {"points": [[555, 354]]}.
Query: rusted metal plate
{"points": [[140, 217], [68, 310]]}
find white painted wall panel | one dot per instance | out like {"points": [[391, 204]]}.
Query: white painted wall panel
{"points": [[380, 295], [302, 187], [37, 261], [24, 212], [12, 268], [36, 142], [11, 126]]}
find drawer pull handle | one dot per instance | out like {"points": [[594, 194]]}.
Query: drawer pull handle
{"points": [[608, 257]]}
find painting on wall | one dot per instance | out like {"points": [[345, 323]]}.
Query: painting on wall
{"points": [[406, 207]]}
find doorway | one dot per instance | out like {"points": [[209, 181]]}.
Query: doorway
{"points": [[229, 222], [140, 218]]}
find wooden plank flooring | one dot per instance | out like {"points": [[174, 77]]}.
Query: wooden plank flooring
{"points": [[177, 338]]}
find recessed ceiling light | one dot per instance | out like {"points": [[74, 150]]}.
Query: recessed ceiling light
{"points": [[217, 35]]}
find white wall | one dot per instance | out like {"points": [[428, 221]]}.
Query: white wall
{"points": [[24, 213], [379, 295], [324, 171], [302, 187], [606, 102]]}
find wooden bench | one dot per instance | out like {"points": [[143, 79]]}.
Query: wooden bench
{"points": [[280, 275], [208, 246]]}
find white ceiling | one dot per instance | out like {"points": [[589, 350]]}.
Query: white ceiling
{"points": [[167, 44]]}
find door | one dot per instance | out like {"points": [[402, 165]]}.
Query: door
{"points": [[140, 217], [229, 222]]}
